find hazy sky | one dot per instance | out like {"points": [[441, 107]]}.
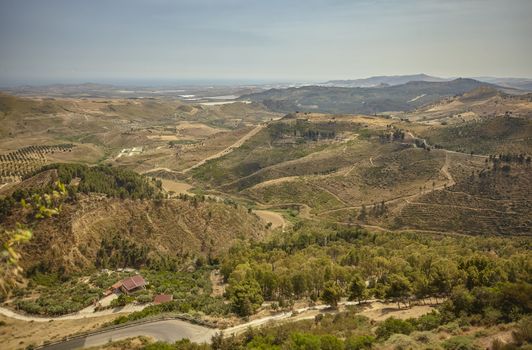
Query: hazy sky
{"points": [[307, 40]]}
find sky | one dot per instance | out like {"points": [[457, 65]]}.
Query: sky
{"points": [[112, 41]]}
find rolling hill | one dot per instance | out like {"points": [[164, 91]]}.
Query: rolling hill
{"points": [[514, 83], [143, 226], [404, 97], [98, 130], [480, 102], [381, 172]]}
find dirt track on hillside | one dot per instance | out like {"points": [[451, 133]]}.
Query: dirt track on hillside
{"points": [[228, 150]]}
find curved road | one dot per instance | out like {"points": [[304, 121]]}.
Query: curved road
{"points": [[167, 331], [85, 313], [173, 330]]}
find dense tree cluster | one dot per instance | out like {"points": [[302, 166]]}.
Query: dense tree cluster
{"points": [[59, 297], [503, 161], [510, 158], [112, 181], [303, 129], [116, 251], [395, 134], [488, 135], [328, 262]]}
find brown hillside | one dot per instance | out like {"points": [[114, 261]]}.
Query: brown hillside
{"points": [[171, 228]]}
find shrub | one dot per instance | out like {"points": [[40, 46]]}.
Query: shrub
{"points": [[401, 342], [159, 346], [459, 343], [393, 326], [523, 332], [122, 300], [300, 341], [451, 327], [491, 316], [359, 343], [427, 322], [330, 342], [424, 337], [144, 298]]}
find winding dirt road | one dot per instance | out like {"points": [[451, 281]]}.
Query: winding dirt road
{"points": [[222, 153], [409, 197], [229, 149]]}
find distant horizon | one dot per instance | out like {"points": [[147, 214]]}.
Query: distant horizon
{"points": [[172, 82], [75, 41]]}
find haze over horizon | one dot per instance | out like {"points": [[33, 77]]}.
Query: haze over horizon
{"points": [[252, 41]]}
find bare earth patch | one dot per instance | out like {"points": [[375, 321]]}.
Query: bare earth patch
{"points": [[176, 187], [381, 311], [217, 282], [18, 334], [274, 218]]}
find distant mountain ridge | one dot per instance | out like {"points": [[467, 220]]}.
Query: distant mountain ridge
{"points": [[369, 100], [524, 84], [515, 83], [382, 80]]}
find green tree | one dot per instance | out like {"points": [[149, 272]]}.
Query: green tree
{"points": [[443, 276], [363, 213], [245, 297], [398, 288], [331, 294], [461, 300], [299, 284], [357, 289]]}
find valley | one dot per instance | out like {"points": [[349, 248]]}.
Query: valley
{"points": [[300, 214], [265, 175]]}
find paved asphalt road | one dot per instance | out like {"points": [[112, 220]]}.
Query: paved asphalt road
{"points": [[172, 330], [168, 331]]}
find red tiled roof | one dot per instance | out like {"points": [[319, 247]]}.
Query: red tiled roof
{"points": [[163, 298], [133, 282]]}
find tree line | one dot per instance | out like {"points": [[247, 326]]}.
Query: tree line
{"points": [[326, 262]]}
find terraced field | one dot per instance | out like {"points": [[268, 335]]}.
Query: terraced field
{"points": [[17, 164], [363, 175], [490, 135], [350, 169], [172, 134], [475, 201]]}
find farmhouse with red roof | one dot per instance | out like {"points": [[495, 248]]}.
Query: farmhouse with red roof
{"points": [[130, 284]]}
